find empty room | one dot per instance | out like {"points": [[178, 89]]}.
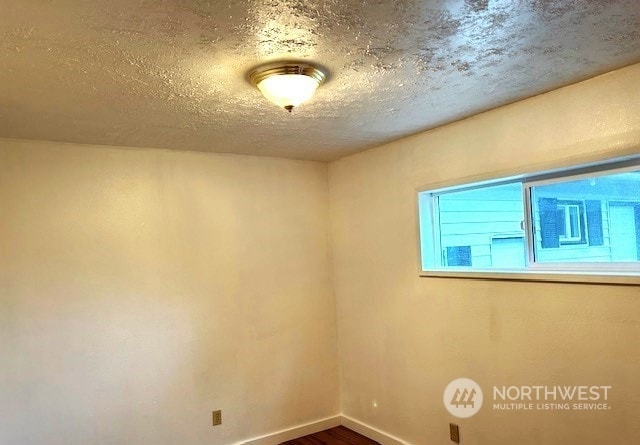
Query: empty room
{"points": [[316, 222]]}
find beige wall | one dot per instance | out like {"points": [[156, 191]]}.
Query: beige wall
{"points": [[403, 338], [141, 289]]}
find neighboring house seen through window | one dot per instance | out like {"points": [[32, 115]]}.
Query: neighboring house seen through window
{"points": [[587, 219]]}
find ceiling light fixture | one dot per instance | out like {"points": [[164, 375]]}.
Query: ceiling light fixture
{"points": [[287, 84]]}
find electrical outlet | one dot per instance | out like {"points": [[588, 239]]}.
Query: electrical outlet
{"points": [[454, 433], [217, 417]]}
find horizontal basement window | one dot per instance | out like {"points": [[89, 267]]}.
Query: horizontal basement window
{"points": [[579, 221]]}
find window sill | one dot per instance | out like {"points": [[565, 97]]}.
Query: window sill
{"points": [[584, 277]]}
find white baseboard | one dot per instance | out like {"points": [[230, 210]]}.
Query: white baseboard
{"points": [[295, 432], [319, 425], [371, 432]]}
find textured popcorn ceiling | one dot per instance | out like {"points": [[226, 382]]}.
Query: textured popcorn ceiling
{"points": [[172, 74]]}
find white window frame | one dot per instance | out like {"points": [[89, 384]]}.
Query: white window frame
{"points": [[619, 273], [566, 209]]}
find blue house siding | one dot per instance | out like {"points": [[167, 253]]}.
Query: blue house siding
{"points": [[473, 218]]}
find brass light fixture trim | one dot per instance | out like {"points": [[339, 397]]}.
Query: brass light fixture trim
{"points": [[306, 69]]}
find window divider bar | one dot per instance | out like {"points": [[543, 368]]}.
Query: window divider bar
{"points": [[528, 226]]}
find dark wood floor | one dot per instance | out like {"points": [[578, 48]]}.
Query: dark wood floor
{"points": [[333, 436]]}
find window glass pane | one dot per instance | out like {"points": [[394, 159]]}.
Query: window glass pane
{"points": [[480, 228], [593, 219]]}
